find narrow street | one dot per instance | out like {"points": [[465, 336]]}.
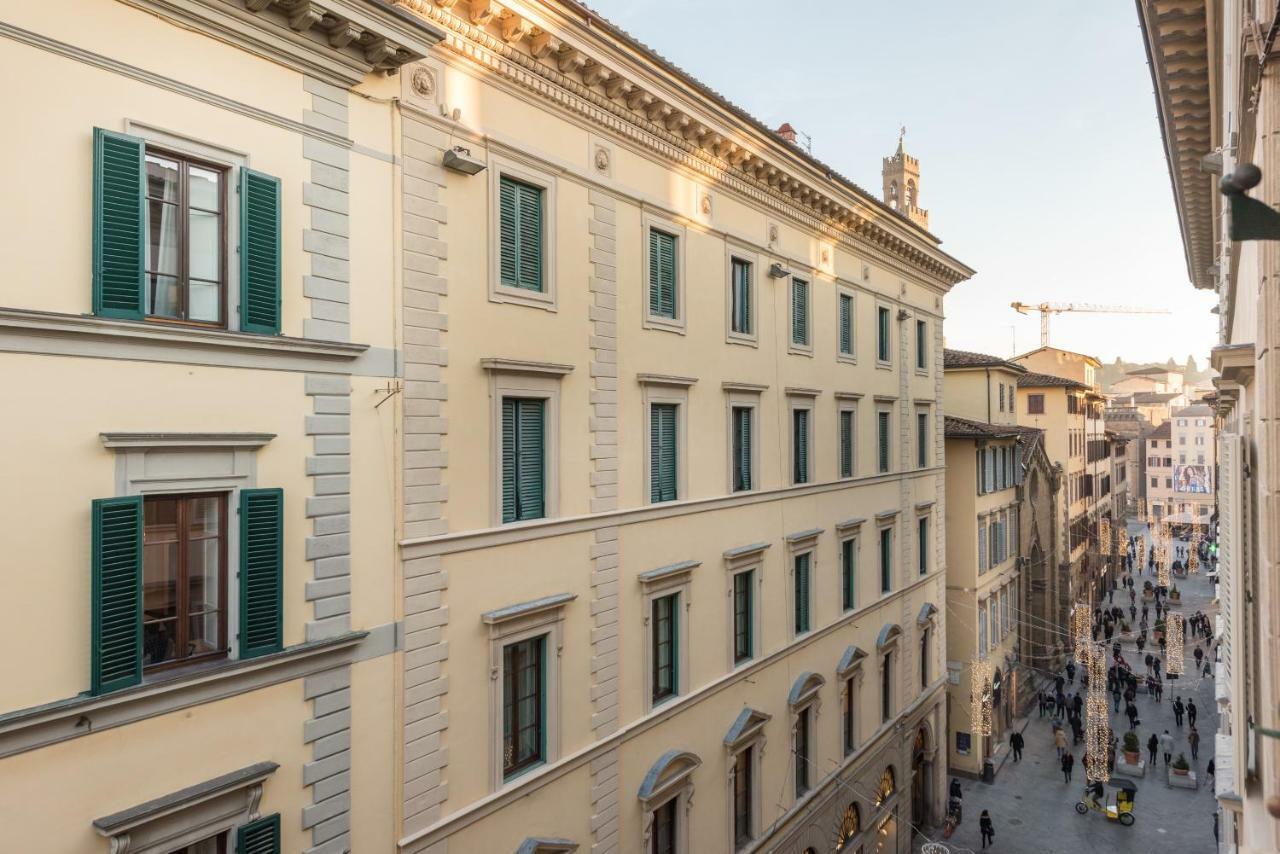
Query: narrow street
{"points": [[1034, 810]]}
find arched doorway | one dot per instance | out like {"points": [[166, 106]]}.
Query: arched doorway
{"points": [[921, 780]]}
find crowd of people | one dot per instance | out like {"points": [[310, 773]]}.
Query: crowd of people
{"points": [[1063, 698]]}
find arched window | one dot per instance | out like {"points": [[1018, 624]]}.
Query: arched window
{"points": [[893, 194], [911, 193], [886, 786], [850, 824]]}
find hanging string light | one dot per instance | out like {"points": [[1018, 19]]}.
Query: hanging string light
{"points": [[1104, 535], [1173, 638], [1097, 670], [1120, 541], [1193, 562], [980, 696], [1097, 737], [1142, 549], [1082, 630]]}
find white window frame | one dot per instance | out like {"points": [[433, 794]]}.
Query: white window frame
{"points": [[736, 562], [665, 581], [843, 290], [512, 625], [680, 790], [534, 381], [798, 545], [742, 253], [806, 400], [528, 173], [889, 525], [743, 395], [649, 220], [809, 701], [850, 703], [927, 518], [922, 341], [753, 737], [885, 407], [809, 279], [660, 389], [887, 362], [924, 442], [886, 656]]}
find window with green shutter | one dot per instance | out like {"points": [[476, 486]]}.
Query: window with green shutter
{"points": [[662, 274], [922, 349], [520, 217], [662, 452], [523, 459], [846, 442], [803, 563], [740, 293], [259, 837], [116, 655], [743, 616], [800, 445], [799, 312], [160, 225], [846, 324], [922, 439], [886, 560], [882, 441], [741, 457], [922, 543], [882, 334], [848, 574], [261, 571]]}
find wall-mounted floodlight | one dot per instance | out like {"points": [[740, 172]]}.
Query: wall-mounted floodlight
{"points": [[777, 271], [459, 159]]}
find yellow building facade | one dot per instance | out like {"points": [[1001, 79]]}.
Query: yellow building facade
{"points": [[203, 540], [984, 555], [672, 485]]}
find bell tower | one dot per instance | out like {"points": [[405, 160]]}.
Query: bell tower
{"points": [[901, 174]]}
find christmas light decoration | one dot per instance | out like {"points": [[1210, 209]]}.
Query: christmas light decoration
{"points": [[1082, 630], [1142, 550], [980, 696], [1097, 737], [1162, 565], [1193, 562], [1104, 536], [1097, 670], [1173, 638], [1120, 541]]}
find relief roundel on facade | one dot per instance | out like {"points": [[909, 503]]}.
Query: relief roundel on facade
{"points": [[602, 159], [423, 82], [705, 206]]}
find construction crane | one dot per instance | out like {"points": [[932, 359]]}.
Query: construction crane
{"points": [[1048, 308]]}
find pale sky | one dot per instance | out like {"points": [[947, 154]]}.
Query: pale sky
{"points": [[1035, 126]]}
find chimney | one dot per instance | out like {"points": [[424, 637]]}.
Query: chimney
{"points": [[787, 132]]}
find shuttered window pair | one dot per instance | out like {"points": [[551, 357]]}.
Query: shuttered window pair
{"points": [[800, 445], [662, 274], [520, 234], [799, 312], [740, 311], [802, 566], [662, 452], [523, 459], [158, 238], [119, 595], [846, 325], [846, 442], [741, 457]]}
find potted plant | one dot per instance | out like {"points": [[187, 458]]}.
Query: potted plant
{"points": [[1175, 595], [1157, 631], [1125, 630], [1132, 748], [1148, 592], [1180, 765]]}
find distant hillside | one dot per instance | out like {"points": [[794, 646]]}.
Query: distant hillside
{"points": [[1192, 373]]}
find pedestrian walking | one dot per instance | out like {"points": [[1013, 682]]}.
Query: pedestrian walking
{"points": [[1205, 672], [1193, 741], [1068, 762], [1016, 743], [1159, 690], [1040, 702], [1060, 705], [1153, 744], [1115, 695], [1166, 747], [1077, 703], [1147, 661], [1060, 742], [1071, 672], [1131, 712], [987, 829], [1178, 710], [1208, 769], [1191, 712], [1199, 653]]}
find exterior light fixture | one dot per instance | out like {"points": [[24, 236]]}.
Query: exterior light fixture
{"points": [[459, 159]]}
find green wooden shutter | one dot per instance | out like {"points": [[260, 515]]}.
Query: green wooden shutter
{"points": [[800, 440], [799, 312], [802, 593], [742, 297], [846, 324], [119, 224], [259, 253], [261, 571], [662, 274], [531, 462], [530, 255], [742, 448], [847, 568], [882, 421], [509, 504], [259, 837], [662, 452], [116, 655], [846, 444], [507, 240]]}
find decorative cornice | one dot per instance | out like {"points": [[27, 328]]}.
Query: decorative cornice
{"points": [[527, 609], [749, 388], [516, 366], [665, 379], [739, 153], [125, 820], [148, 441]]}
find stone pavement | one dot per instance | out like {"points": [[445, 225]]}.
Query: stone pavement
{"points": [[1033, 810]]}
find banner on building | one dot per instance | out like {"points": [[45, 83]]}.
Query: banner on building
{"points": [[1195, 479]]}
